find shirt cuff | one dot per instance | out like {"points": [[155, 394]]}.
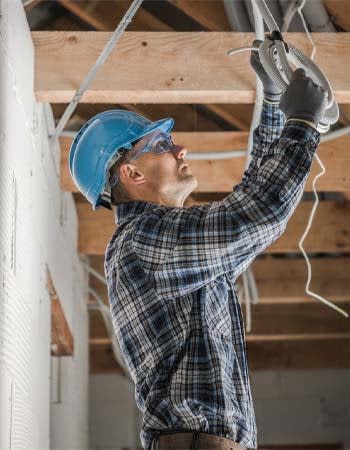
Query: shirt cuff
{"points": [[303, 133], [271, 115]]}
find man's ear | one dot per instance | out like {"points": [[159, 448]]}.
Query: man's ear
{"points": [[129, 173]]}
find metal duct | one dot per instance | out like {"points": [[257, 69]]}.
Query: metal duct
{"points": [[296, 23], [317, 17], [237, 15], [276, 11], [274, 8]]}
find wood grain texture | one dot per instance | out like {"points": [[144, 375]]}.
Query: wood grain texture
{"points": [[62, 342], [262, 355], [339, 11], [330, 232], [197, 69], [105, 15], [210, 13], [222, 175], [281, 281]]}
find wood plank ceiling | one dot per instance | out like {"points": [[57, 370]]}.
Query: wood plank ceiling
{"points": [[212, 109]]}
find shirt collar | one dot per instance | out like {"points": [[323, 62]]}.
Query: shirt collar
{"points": [[124, 212]]}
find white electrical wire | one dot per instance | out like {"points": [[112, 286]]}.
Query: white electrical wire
{"points": [[290, 13], [274, 61], [106, 315], [247, 300], [100, 61], [274, 55], [314, 208], [105, 312], [250, 289]]}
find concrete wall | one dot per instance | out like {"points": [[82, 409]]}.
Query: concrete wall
{"points": [[43, 400], [292, 407]]}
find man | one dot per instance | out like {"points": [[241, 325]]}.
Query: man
{"points": [[171, 270]]}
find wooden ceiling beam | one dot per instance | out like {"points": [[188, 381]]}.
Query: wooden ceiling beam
{"points": [[222, 175], [105, 15], [198, 69], [262, 355], [209, 14], [62, 341], [273, 323], [330, 232], [280, 281], [339, 10]]}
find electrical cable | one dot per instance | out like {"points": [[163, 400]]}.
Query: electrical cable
{"points": [[104, 310], [275, 61], [314, 207], [289, 14], [250, 289], [92, 73], [274, 54], [247, 300]]}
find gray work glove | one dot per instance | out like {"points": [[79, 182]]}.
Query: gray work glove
{"points": [[304, 99], [271, 91]]}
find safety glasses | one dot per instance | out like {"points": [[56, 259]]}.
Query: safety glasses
{"points": [[160, 143]]}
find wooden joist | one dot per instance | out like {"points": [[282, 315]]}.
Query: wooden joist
{"points": [[262, 355], [330, 232], [222, 175], [106, 15], [198, 69], [62, 342], [339, 10], [282, 281], [275, 323], [210, 14]]}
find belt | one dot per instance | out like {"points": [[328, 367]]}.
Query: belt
{"points": [[193, 440]]}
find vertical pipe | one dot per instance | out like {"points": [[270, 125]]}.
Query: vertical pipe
{"points": [[237, 15], [317, 17], [296, 24], [276, 11]]}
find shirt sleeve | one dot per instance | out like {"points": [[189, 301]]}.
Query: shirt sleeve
{"points": [[184, 248]]}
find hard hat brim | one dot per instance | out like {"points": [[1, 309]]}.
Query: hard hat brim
{"points": [[165, 125]]}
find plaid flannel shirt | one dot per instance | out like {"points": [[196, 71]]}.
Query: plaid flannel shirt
{"points": [[171, 272]]}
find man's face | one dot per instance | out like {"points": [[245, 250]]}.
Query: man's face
{"points": [[166, 173]]}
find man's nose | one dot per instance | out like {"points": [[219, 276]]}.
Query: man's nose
{"points": [[179, 151]]}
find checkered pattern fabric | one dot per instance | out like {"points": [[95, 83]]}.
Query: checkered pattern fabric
{"points": [[171, 275]]}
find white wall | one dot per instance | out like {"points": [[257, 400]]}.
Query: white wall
{"points": [[302, 406], [115, 420], [292, 407], [38, 228]]}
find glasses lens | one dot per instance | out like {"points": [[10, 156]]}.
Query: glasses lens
{"points": [[163, 144]]}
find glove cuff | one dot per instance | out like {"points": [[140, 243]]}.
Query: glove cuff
{"points": [[306, 117], [311, 124], [272, 98]]}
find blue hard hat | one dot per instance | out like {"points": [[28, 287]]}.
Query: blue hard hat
{"points": [[96, 145]]}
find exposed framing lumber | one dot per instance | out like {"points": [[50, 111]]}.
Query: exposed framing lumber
{"points": [[330, 232], [281, 281], [101, 360], [198, 69], [262, 355], [62, 342], [210, 14], [222, 175], [272, 323], [339, 10], [30, 4], [105, 16]]}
